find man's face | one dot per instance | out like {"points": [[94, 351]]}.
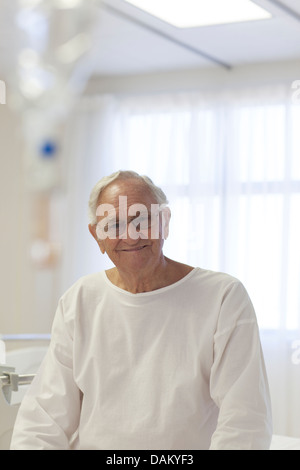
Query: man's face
{"points": [[130, 228]]}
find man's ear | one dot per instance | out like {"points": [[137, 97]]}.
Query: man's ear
{"points": [[166, 216], [92, 229]]}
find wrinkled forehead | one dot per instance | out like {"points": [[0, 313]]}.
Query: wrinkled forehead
{"points": [[124, 193]]}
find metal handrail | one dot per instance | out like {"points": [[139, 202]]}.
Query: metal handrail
{"points": [[23, 379], [10, 381], [26, 337]]}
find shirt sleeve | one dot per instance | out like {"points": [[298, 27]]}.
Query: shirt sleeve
{"points": [[238, 382], [49, 413]]}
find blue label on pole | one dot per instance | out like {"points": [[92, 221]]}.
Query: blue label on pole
{"points": [[48, 149]]}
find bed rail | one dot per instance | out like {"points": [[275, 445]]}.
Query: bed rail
{"points": [[26, 337], [10, 381]]}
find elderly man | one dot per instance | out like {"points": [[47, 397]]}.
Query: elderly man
{"points": [[151, 354]]}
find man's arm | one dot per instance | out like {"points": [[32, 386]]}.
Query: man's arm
{"points": [[49, 413], [238, 382]]}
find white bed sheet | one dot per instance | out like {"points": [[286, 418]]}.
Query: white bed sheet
{"points": [[285, 443]]}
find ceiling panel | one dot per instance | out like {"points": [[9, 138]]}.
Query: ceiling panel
{"points": [[130, 41], [234, 44]]}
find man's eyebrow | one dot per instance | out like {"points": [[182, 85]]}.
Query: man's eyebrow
{"points": [[129, 217], [109, 218]]}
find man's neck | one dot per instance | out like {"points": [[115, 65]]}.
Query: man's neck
{"points": [[164, 274]]}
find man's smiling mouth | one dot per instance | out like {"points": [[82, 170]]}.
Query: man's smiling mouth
{"points": [[136, 248]]}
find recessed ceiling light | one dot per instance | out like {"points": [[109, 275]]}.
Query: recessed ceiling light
{"points": [[192, 13]]}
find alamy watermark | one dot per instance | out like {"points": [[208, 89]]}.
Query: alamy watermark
{"points": [[296, 353], [2, 92], [132, 221], [296, 94]]}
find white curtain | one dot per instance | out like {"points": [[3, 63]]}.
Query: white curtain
{"points": [[229, 163]]}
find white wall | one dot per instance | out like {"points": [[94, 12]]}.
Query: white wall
{"points": [[15, 300], [198, 79], [26, 295]]}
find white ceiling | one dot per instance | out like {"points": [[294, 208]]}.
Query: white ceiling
{"points": [[126, 47], [130, 41]]}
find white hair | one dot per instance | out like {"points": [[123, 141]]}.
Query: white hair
{"points": [[106, 180]]}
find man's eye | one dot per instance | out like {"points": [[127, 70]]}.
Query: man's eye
{"points": [[145, 222], [111, 226], [115, 228], [142, 223]]}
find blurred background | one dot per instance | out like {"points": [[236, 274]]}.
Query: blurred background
{"points": [[207, 104]]}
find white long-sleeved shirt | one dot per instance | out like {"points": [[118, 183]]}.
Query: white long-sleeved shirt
{"points": [[180, 367]]}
